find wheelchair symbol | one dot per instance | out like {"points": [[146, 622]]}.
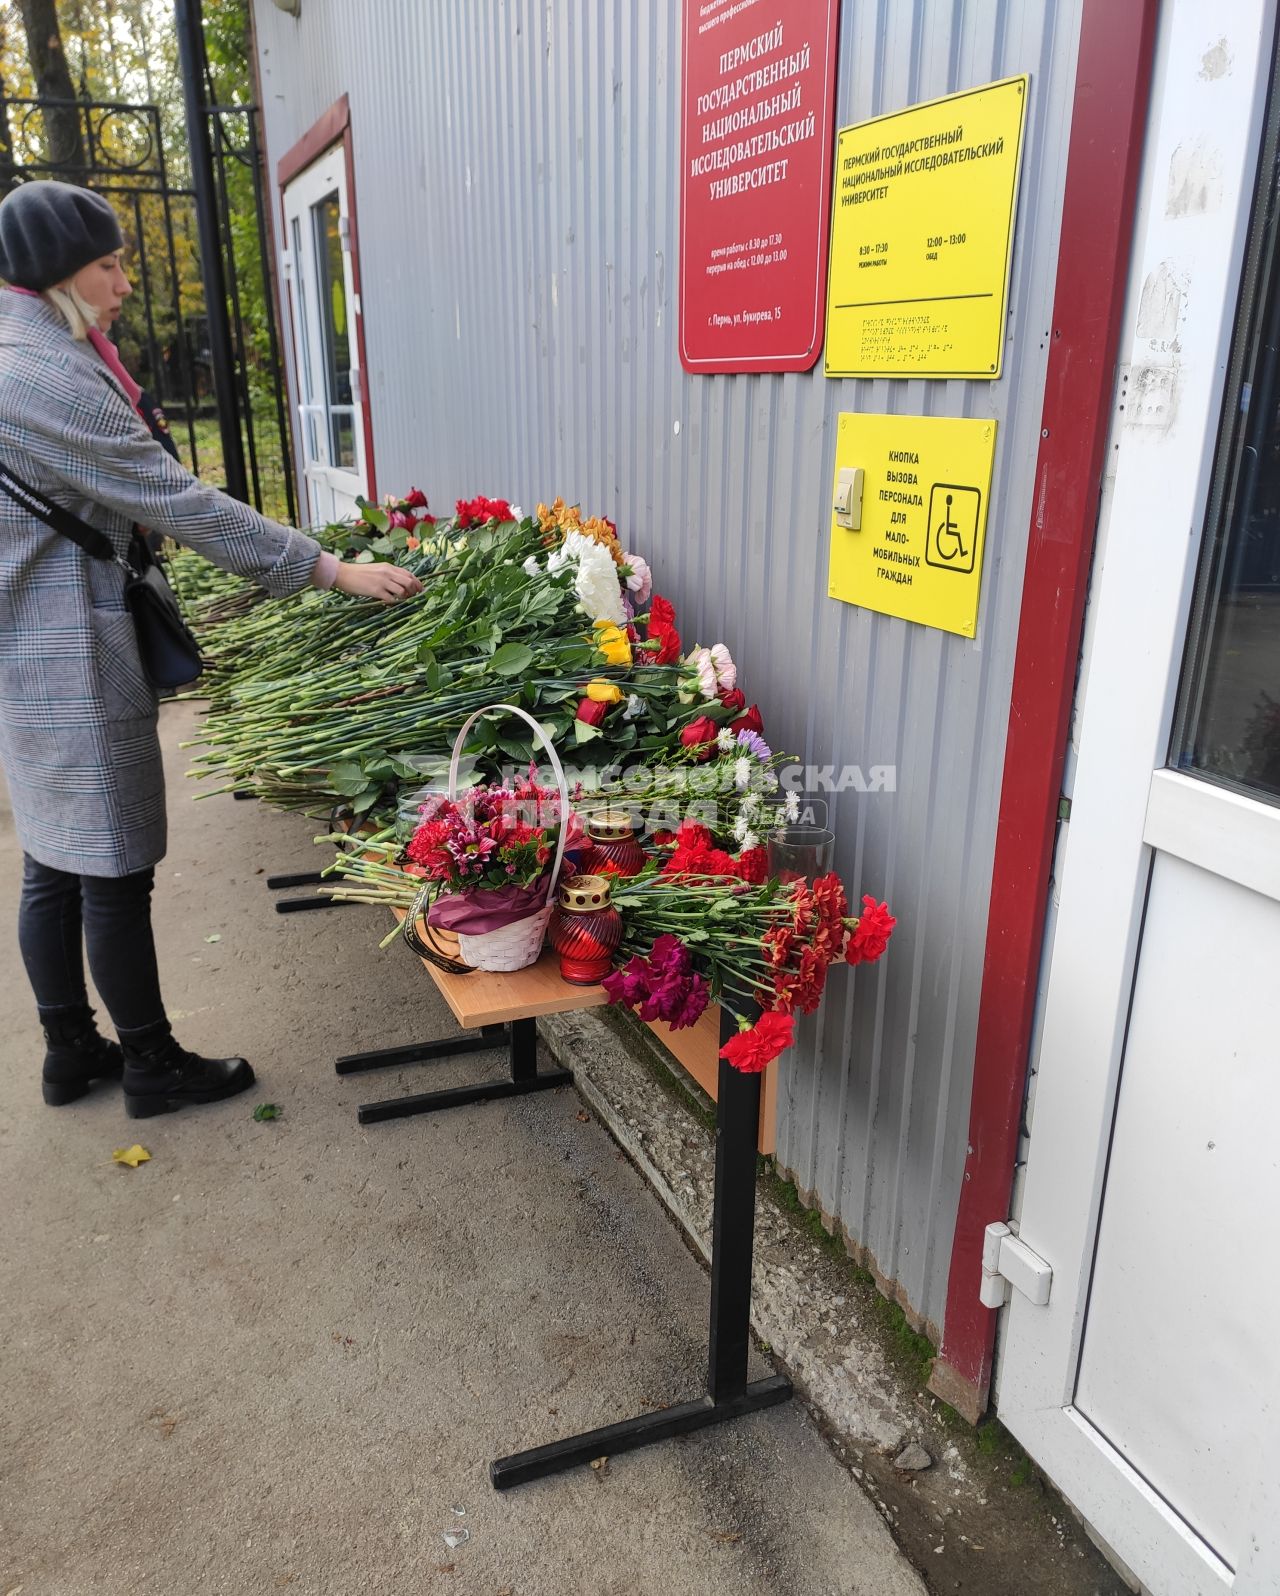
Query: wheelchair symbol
{"points": [[952, 542]]}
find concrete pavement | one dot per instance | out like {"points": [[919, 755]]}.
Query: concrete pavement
{"points": [[279, 1356]]}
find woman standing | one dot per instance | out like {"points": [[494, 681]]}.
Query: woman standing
{"points": [[78, 739]]}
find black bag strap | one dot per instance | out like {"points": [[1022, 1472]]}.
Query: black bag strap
{"points": [[93, 542]]}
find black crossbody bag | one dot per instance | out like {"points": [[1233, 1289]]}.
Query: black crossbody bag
{"points": [[170, 654]]}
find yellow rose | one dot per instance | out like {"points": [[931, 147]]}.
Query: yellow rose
{"points": [[602, 692], [612, 642]]}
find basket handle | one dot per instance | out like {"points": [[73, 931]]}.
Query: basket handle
{"points": [[561, 783]]}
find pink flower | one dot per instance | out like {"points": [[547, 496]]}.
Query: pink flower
{"points": [[726, 670], [703, 667], [640, 581]]}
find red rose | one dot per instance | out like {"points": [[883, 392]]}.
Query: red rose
{"points": [[734, 701], [751, 721], [591, 712], [698, 734], [750, 1051], [871, 934], [415, 499]]}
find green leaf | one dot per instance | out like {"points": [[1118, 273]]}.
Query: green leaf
{"points": [[582, 733], [512, 659], [376, 518], [382, 546], [365, 802], [267, 1111], [425, 655], [346, 780], [363, 558]]}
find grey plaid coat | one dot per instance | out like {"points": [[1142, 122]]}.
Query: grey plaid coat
{"points": [[78, 740]]}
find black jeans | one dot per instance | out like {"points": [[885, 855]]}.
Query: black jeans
{"points": [[112, 914]]}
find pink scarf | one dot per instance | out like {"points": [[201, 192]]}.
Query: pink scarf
{"points": [[106, 351]]}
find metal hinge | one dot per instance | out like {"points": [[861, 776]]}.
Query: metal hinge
{"points": [[1007, 1261], [286, 262], [344, 232]]}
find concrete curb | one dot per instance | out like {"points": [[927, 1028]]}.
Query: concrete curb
{"points": [[801, 1308]]}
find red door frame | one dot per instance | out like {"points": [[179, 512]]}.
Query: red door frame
{"points": [[1104, 156], [318, 140]]}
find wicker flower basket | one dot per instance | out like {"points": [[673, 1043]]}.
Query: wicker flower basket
{"points": [[516, 945]]}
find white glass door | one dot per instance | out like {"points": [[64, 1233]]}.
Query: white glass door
{"points": [[1147, 1387], [328, 412]]}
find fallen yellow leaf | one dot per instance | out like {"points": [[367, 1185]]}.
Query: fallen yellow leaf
{"points": [[133, 1156]]}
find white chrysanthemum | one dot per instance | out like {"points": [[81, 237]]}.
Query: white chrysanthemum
{"points": [[634, 705], [596, 578], [749, 841], [741, 827], [793, 806], [752, 803], [531, 566], [726, 742], [517, 514], [742, 773]]}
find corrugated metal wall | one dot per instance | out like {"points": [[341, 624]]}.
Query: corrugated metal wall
{"points": [[517, 185]]}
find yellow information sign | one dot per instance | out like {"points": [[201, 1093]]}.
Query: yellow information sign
{"points": [[922, 237], [921, 525]]}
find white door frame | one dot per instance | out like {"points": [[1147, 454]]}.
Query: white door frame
{"points": [[1190, 235], [324, 478]]}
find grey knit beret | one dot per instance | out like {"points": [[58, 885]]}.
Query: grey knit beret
{"points": [[48, 231]]}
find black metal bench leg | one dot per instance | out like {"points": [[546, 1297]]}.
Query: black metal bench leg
{"points": [[729, 1395], [523, 1078]]}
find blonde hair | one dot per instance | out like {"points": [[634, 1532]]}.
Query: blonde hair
{"points": [[74, 308]]}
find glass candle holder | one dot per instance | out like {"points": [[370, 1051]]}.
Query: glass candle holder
{"points": [[612, 840], [585, 929], [801, 853]]}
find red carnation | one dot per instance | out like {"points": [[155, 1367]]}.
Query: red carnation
{"points": [[591, 712], [753, 865], [828, 891], [871, 935], [750, 1051], [662, 630]]}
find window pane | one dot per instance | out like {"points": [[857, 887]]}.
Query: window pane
{"points": [[1230, 714], [304, 317], [333, 301], [342, 431]]}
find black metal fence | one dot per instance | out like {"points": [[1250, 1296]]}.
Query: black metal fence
{"points": [[163, 332]]}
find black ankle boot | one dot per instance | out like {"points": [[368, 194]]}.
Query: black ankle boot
{"points": [[160, 1077], [75, 1056]]}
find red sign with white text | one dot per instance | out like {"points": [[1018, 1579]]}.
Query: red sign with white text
{"points": [[755, 182]]}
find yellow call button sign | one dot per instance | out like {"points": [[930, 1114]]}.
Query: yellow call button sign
{"points": [[926, 485]]}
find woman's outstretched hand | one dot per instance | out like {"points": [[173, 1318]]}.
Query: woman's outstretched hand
{"points": [[389, 583]]}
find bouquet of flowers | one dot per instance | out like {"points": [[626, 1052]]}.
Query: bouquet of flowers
{"points": [[699, 929], [491, 851]]}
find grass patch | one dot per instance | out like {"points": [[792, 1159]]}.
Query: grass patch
{"points": [[208, 464]]}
